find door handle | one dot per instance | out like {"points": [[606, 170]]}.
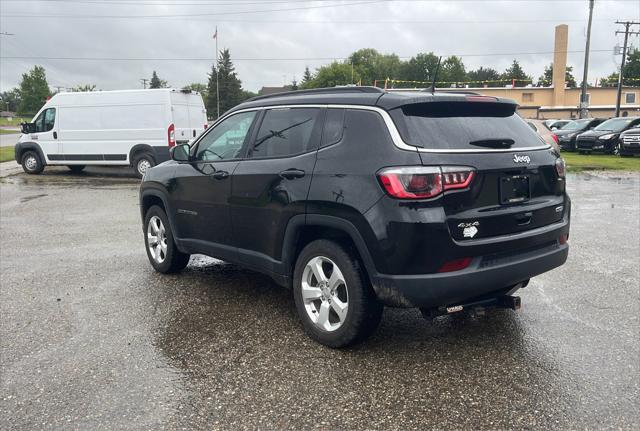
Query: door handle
{"points": [[55, 135], [220, 175], [290, 174]]}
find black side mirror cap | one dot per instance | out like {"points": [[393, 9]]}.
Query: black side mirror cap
{"points": [[27, 128], [180, 153]]}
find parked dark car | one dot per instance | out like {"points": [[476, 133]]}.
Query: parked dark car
{"points": [[355, 197], [567, 135], [605, 137], [630, 142]]}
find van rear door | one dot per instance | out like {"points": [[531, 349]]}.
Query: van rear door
{"points": [[188, 116], [516, 185]]}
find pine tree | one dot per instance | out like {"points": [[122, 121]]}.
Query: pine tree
{"points": [[33, 91], [156, 82], [516, 73], [230, 87], [306, 78], [547, 77]]}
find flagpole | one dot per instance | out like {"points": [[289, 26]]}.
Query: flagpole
{"points": [[217, 83]]}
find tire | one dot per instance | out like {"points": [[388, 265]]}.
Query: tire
{"points": [[31, 163], [142, 162], [318, 307], [76, 168], [165, 259]]}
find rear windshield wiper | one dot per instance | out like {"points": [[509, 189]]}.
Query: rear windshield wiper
{"points": [[494, 143]]}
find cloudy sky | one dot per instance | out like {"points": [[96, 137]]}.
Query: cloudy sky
{"points": [[114, 43]]}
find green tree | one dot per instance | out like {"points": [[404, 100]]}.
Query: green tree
{"points": [[333, 74], [156, 82], [294, 85], [34, 91], [370, 65], [84, 88], [452, 71], [230, 87], [246, 94], [10, 100], [419, 68], [516, 73], [630, 75], [547, 77], [197, 88], [307, 77], [484, 76]]}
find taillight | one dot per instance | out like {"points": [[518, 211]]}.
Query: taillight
{"points": [[555, 137], [561, 167], [455, 265], [171, 135], [424, 182]]}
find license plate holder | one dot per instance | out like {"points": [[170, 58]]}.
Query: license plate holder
{"points": [[514, 189]]}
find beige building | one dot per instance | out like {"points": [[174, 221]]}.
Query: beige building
{"points": [[558, 101]]}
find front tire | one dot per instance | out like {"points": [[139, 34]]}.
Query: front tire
{"points": [[333, 297], [142, 162], [159, 242], [31, 163]]}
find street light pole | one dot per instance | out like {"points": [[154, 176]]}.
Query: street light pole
{"points": [[583, 93]]}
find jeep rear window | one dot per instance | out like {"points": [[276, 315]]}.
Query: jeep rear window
{"points": [[464, 126]]}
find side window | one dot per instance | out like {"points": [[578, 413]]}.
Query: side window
{"points": [[333, 126], [285, 132], [45, 120], [225, 140]]}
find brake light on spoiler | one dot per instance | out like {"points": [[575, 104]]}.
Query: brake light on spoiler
{"points": [[424, 182]]}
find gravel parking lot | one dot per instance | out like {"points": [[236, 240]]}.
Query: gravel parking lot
{"points": [[92, 338]]}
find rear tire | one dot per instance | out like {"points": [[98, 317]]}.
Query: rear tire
{"points": [[76, 168], [31, 163], [142, 162], [159, 242], [333, 297]]}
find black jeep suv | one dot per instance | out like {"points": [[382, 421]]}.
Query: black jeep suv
{"points": [[357, 198]]}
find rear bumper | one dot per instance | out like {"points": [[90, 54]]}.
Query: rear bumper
{"points": [[485, 275]]}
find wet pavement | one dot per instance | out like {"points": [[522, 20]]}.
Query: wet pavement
{"points": [[92, 338]]}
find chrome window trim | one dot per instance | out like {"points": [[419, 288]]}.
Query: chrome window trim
{"points": [[391, 127]]}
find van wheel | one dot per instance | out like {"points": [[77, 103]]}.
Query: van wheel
{"points": [[142, 162], [76, 168], [333, 297], [161, 248], [31, 163]]}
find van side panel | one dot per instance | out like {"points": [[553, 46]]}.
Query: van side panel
{"points": [[188, 112], [105, 134]]}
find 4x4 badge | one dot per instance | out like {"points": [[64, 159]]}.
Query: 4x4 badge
{"points": [[469, 230], [521, 159]]}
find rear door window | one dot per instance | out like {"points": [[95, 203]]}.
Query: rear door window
{"points": [[286, 132], [333, 126], [464, 126]]}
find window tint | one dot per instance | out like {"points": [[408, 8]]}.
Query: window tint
{"points": [[285, 132], [465, 126], [225, 140], [333, 126], [45, 120]]}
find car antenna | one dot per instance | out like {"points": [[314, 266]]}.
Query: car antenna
{"points": [[435, 76]]}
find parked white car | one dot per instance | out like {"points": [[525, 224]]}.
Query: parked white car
{"points": [[128, 127]]}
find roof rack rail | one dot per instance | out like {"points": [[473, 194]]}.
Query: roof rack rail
{"points": [[345, 89], [473, 93]]}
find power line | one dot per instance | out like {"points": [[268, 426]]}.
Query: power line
{"points": [[627, 31], [192, 15], [269, 58]]}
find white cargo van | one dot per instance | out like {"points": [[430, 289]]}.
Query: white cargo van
{"points": [[129, 127]]}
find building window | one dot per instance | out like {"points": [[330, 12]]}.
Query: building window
{"points": [[527, 97], [629, 98]]}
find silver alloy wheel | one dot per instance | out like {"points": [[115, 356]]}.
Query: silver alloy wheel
{"points": [[324, 293], [157, 239], [143, 165], [31, 163]]}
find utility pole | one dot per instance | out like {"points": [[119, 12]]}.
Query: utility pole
{"points": [[583, 93], [144, 82], [627, 25]]}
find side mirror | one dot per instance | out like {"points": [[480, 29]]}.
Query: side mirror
{"points": [[27, 128], [180, 153]]}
